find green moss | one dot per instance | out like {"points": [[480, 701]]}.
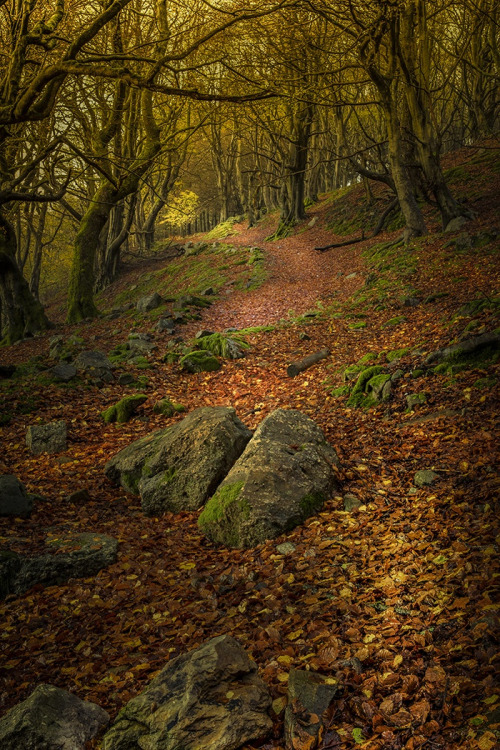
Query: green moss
{"points": [[357, 326], [394, 321], [223, 229], [360, 395], [483, 383], [397, 354], [200, 361], [283, 230], [459, 361], [343, 390], [124, 409], [368, 357], [167, 408], [311, 503], [220, 344], [417, 373], [226, 506]]}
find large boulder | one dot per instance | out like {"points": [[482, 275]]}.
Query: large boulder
{"points": [[51, 718], [179, 468], [87, 554], [14, 500], [50, 437], [210, 698], [284, 475]]}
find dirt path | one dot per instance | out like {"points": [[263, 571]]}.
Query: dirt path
{"points": [[298, 276]]}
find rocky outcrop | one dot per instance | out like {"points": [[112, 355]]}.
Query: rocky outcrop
{"points": [[50, 438], [210, 698], [88, 554], [178, 468], [51, 718], [14, 500], [284, 475]]}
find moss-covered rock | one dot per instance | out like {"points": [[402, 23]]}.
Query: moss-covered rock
{"points": [[180, 467], [200, 361], [284, 475], [167, 408], [372, 386], [124, 409], [397, 354]]}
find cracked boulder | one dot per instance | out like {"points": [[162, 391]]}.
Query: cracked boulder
{"points": [[179, 468], [285, 474]]}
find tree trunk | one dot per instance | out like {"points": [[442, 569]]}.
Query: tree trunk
{"points": [[21, 314]]}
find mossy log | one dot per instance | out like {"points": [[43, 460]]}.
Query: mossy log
{"points": [[123, 410]]}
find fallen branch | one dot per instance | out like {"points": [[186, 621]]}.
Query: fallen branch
{"points": [[302, 364], [341, 244]]}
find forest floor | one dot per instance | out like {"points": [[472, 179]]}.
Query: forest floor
{"points": [[397, 598]]}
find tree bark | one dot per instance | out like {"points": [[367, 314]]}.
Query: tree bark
{"points": [[21, 314]]}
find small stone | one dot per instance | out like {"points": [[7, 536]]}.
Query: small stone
{"points": [[312, 222], [149, 302], [49, 437], [352, 275], [456, 224], [413, 491], [201, 334], [397, 375], [126, 378], [165, 324], [410, 301], [207, 292], [79, 497], [63, 372], [304, 337], [351, 502], [425, 477], [14, 500], [415, 399], [286, 548]]}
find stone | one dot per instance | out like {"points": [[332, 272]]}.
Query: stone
{"points": [[351, 502], [95, 364], [180, 467], [199, 361], [286, 548], [126, 378], [410, 301], [89, 554], [141, 347], [14, 500], [165, 324], [309, 696], [207, 292], [456, 224], [425, 477], [64, 372], [415, 399], [50, 437], [51, 718], [201, 334], [189, 300], [285, 474], [79, 497], [352, 275], [124, 409], [149, 302], [210, 698], [312, 223], [56, 345], [7, 371], [167, 408]]}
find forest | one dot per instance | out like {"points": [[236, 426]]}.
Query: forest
{"points": [[249, 360], [120, 120]]}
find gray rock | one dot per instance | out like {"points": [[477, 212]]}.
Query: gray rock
{"points": [[207, 292], [397, 375], [51, 719], [201, 334], [309, 696], [138, 336], [410, 301], [126, 378], [49, 437], [284, 475], [312, 222], [56, 345], [351, 502], [140, 347], [210, 698], [149, 302], [93, 552], [14, 500], [165, 324], [63, 372], [456, 224], [178, 468], [94, 364], [286, 548], [425, 477]]}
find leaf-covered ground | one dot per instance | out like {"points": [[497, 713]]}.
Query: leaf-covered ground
{"points": [[396, 599]]}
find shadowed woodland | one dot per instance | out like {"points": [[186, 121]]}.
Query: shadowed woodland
{"points": [[258, 205]]}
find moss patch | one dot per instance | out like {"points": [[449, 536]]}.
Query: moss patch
{"points": [[397, 354], [167, 408], [311, 503], [200, 361], [124, 409]]}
